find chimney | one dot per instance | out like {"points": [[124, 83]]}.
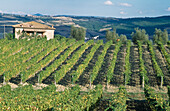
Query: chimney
{"points": [[52, 26], [31, 25]]}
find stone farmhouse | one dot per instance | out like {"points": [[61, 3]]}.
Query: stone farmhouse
{"points": [[33, 28]]}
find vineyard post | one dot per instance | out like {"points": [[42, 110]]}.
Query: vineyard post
{"points": [[21, 79], [107, 85], [38, 79], [55, 80], [90, 81], [143, 81], [4, 83], [72, 79], [125, 80], [161, 81]]}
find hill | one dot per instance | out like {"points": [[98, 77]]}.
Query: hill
{"points": [[95, 25], [99, 69]]}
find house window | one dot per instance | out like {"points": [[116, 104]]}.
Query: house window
{"points": [[30, 33], [40, 34]]}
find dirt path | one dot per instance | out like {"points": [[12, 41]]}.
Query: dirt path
{"points": [[101, 77], [85, 77], [167, 49], [162, 64], [118, 77], [137, 105], [67, 79], [134, 60], [153, 80]]}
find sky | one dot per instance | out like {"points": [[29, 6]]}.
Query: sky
{"points": [[104, 8]]}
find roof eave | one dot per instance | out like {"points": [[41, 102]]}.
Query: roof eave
{"points": [[34, 28]]}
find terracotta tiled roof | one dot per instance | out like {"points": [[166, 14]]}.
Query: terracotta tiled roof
{"points": [[33, 24]]}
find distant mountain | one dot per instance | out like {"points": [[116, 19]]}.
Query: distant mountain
{"points": [[96, 26], [38, 14]]}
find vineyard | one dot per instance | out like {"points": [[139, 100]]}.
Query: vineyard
{"points": [[65, 74]]}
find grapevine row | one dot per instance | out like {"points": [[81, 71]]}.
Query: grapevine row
{"points": [[82, 102], [39, 65], [45, 73], [143, 72], [167, 56], [127, 71], [99, 61], [26, 98], [22, 56], [110, 71], [28, 64], [59, 74], [118, 100], [155, 64], [86, 61], [156, 102], [14, 48]]}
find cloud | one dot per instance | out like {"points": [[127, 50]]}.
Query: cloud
{"points": [[125, 4], [140, 12], [18, 12], [168, 9], [108, 2], [123, 13]]}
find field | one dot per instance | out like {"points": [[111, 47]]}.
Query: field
{"points": [[96, 26], [38, 74]]}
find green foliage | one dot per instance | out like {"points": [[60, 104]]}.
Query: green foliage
{"points": [[123, 38], [78, 33], [112, 35], [115, 36], [167, 56], [81, 102], [56, 63], [169, 93], [142, 67], [127, 66], [161, 36], [139, 35], [9, 36], [168, 43], [155, 64], [58, 37], [110, 71], [109, 35], [118, 100], [156, 102], [99, 61], [71, 62], [86, 61], [26, 98]]}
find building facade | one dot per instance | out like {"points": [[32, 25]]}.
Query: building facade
{"points": [[33, 29]]}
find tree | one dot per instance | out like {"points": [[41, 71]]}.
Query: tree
{"points": [[139, 35], [123, 38], [112, 35], [157, 35], [109, 35], [161, 36], [165, 36], [115, 36], [78, 33]]}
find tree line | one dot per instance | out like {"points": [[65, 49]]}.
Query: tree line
{"points": [[79, 33]]}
